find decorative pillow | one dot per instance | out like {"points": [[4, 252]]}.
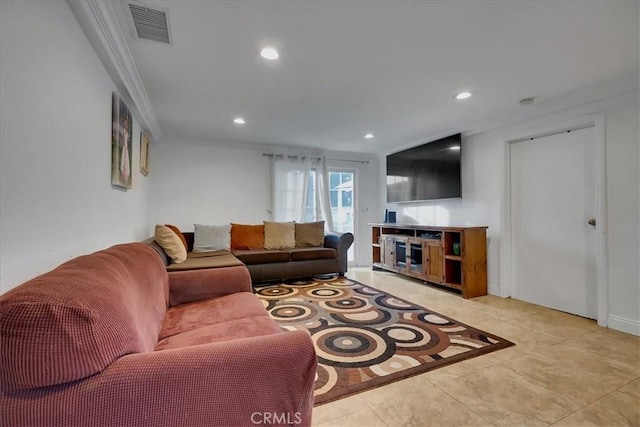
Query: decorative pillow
{"points": [[279, 235], [207, 238], [180, 235], [171, 243], [247, 236], [310, 234]]}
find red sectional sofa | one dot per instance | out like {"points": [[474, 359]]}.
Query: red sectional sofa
{"points": [[113, 339]]}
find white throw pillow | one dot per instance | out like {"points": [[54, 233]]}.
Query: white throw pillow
{"points": [[208, 238]]}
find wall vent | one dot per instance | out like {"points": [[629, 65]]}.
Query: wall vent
{"points": [[149, 22]]}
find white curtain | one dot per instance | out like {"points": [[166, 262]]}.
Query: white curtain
{"points": [[290, 188], [322, 174], [290, 178]]}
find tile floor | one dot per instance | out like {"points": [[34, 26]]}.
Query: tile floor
{"points": [[564, 370]]}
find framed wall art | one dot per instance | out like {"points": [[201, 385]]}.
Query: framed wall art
{"points": [[144, 154], [121, 152]]}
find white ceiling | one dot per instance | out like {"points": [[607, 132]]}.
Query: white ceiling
{"points": [[386, 67]]}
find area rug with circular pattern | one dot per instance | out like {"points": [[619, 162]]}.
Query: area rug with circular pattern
{"points": [[365, 337]]}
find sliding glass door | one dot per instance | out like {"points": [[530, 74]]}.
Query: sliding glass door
{"points": [[342, 200]]}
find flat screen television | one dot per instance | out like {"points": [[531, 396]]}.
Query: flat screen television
{"points": [[429, 171]]}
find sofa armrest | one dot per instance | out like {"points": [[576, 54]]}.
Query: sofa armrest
{"points": [[197, 285], [156, 247], [245, 382], [341, 243]]}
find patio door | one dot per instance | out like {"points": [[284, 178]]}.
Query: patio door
{"points": [[342, 199]]}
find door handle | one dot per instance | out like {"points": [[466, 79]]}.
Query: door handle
{"points": [[592, 221]]}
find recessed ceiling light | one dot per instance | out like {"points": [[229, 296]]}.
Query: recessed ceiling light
{"points": [[463, 95], [239, 121], [269, 53], [454, 147], [369, 136]]}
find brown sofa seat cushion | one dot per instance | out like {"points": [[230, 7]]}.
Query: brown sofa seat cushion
{"points": [[197, 261], [191, 316], [75, 320], [234, 329], [264, 256], [308, 254]]}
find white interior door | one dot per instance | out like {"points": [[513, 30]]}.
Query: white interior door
{"points": [[553, 197]]}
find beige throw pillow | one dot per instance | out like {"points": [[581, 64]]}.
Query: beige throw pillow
{"points": [[310, 234], [171, 243], [279, 235]]}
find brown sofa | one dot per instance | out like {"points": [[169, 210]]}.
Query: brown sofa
{"points": [[113, 339], [271, 264]]}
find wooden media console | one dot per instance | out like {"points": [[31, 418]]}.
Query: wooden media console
{"points": [[455, 257]]}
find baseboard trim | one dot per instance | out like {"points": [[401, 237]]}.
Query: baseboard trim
{"points": [[494, 290], [622, 324]]}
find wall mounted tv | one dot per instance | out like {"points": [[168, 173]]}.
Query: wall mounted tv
{"points": [[427, 172]]}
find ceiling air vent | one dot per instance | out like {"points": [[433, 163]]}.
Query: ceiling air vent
{"points": [[149, 22]]}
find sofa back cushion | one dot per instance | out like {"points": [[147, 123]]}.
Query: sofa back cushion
{"points": [[75, 320]]}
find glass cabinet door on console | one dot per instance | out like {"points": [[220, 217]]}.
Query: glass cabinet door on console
{"points": [[401, 254], [415, 258]]}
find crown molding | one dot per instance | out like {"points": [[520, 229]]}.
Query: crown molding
{"points": [[99, 21]]}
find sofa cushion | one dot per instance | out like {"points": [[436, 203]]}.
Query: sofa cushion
{"points": [[279, 235], [262, 256], [171, 243], [309, 234], [247, 236], [307, 254], [246, 327], [195, 261], [179, 234], [211, 237], [198, 314], [75, 320]]}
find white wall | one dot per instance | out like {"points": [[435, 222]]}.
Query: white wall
{"points": [[483, 186], [623, 211], [204, 184], [56, 199], [218, 183]]}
